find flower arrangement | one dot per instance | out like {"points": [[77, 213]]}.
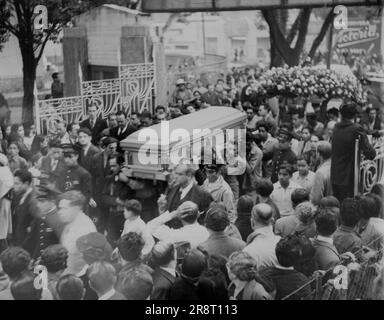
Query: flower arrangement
{"points": [[307, 82]]}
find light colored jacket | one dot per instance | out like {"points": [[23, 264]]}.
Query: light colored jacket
{"points": [[322, 186], [222, 192], [6, 184]]}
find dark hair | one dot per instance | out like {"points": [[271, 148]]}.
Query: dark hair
{"points": [[245, 205], [15, 261], [145, 114], [287, 167], [36, 157], [264, 124], [70, 287], [162, 253], [264, 188], [85, 131], [109, 140], [298, 196], [70, 126], [121, 113], [379, 203], [349, 212], [329, 202], [134, 206], [24, 175], [378, 189], [288, 250], [159, 108], [348, 110], [130, 246], [55, 75], [54, 258], [23, 288], [216, 220], [135, 284], [309, 129], [367, 208], [194, 263], [326, 222]]}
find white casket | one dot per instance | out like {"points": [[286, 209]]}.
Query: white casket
{"points": [[150, 152]]}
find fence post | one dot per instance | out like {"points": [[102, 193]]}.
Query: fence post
{"points": [[357, 168]]}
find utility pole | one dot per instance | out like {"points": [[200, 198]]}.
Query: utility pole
{"points": [[330, 43], [203, 25]]}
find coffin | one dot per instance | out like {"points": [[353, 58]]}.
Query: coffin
{"points": [[162, 144]]}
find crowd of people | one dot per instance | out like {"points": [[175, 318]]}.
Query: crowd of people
{"points": [[210, 232]]}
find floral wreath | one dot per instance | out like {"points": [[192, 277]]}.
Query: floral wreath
{"points": [[307, 82]]}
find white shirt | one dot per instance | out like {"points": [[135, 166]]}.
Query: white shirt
{"points": [[184, 191], [262, 248], [194, 233], [138, 225], [325, 239], [120, 131], [108, 294], [305, 182], [170, 271], [82, 225], [282, 197]]}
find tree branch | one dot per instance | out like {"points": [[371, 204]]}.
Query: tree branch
{"points": [[303, 29], [294, 28], [323, 31], [43, 44]]}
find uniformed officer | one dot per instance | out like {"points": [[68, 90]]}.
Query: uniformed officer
{"points": [[46, 226], [73, 176], [283, 154]]}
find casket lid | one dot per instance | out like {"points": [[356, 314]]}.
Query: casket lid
{"points": [[211, 118]]}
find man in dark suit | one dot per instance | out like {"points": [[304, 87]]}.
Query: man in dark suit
{"points": [[124, 127], [344, 138], [99, 165], [88, 150], [25, 209], [187, 190], [95, 124], [164, 259], [52, 164], [326, 255]]}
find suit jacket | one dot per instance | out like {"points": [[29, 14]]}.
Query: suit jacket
{"points": [[197, 195], [99, 173], [86, 160], [114, 132], [100, 125], [48, 174], [326, 255], [24, 214], [343, 151], [221, 244], [162, 282]]}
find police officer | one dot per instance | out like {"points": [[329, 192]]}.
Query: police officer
{"points": [[73, 176], [283, 154], [46, 226]]}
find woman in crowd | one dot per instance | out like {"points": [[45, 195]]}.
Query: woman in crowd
{"points": [[245, 283], [16, 162]]}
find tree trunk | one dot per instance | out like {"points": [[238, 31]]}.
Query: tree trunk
{"points": [[29, 77]]}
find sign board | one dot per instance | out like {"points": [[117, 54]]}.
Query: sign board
{"points": [[237, 5], [359, 43]]}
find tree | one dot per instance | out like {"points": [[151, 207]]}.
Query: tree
{"points": [[281, 39], [17, 19]]}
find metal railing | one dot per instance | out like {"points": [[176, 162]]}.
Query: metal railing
{"points": [[133, 90]]}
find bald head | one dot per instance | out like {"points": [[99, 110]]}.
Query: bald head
{"points": [[262, 214]]}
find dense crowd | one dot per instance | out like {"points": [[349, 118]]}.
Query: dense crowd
{"points": [[212, 231]]}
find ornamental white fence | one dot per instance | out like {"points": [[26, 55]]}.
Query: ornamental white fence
{"points": [[369, 172], [133, 91]]}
